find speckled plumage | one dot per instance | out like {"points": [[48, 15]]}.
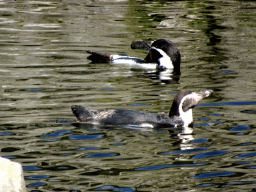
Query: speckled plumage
{"points": [[180, 113]]}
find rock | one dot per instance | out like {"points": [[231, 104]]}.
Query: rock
{"points": [[11, 176]]}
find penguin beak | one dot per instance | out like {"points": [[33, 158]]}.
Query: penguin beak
{"points": [[203, 94]]}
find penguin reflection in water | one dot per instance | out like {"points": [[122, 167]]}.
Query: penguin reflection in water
{"points": [[180, 114]]}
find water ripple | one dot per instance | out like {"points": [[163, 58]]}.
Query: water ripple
{"points": [[239, 128], [100, 155], [247, 155], [31, 168], [57, 133], [156, 167], [185, 151], [37, 184], [112, 188], [87, 148], [229, 103], [85, 137], [6, 133], [199, 141], [214, 174], [36, 177], [210, 154]]}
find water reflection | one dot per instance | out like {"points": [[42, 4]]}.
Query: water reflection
{"points": [[184, 135], [209, 24], [163, 77]]}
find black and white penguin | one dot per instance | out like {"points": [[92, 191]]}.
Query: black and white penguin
{"points": [[180, 113], [162, 52]]}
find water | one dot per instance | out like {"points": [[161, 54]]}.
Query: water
{"points": [[44, 70]]}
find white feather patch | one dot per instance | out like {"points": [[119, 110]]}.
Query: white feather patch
{"points": [[187, 116], [133, 61], [164, 61]]}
